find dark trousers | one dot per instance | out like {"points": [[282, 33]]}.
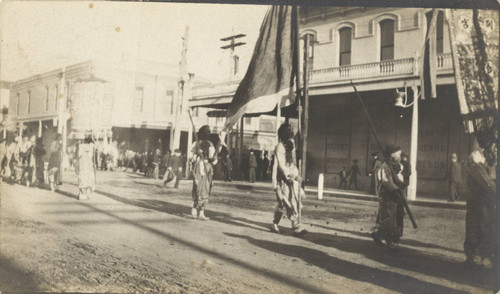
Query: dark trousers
{"points": [[453, 191], [342, 183], [251, 174]]}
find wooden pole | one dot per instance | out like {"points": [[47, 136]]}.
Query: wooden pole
{"points": [[306, 106], [412, 187], [240, 149], [275, 163], [295, 21]]}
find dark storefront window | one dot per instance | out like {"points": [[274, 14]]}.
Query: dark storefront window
{"points": [[345, 37], [387, 39]]}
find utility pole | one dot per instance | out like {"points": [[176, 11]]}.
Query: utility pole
{"points": [[232, 58], [181, 105]]}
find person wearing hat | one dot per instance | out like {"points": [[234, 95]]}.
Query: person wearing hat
{"points": [[389, 224], [204, 158]]}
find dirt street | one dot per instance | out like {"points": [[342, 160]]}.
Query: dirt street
{"points": [[135, 236]]}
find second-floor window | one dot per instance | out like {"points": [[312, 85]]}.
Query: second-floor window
{"points": [[169, 102], [236, 64], [139, 99], [248, 120], [387, 39], [345, 37], [29, 102], [439, 29], [47, 99]]}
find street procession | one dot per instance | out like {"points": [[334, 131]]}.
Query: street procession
{"points": [[153, 147]]}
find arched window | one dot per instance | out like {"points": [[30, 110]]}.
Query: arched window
{"points": [[345, 37], [236, 64], [47, 98], [439, 29], [29, 102], [386, 39]]}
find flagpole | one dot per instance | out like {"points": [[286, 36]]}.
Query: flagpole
{"points": [[295, 20]]}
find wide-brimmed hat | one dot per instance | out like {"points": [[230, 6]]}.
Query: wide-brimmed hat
{"points": [[390, 149]]}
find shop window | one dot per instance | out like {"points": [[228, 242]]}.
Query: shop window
{"points": [[386, 39], [345, 37]]}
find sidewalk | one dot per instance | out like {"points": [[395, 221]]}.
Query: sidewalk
{"points": [[312, 193]]}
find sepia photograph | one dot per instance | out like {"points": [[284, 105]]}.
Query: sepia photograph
{"points": [[249, 147]]}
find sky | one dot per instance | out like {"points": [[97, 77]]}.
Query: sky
{"points": [[39, 36]]}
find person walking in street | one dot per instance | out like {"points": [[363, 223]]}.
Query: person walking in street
{"points": [[156, 164], [454, 176], [55, 163], [479, 244], [343, 178], [3, 157], [85, 168], [204, 158], [39, 153], [353, 174], [175, 168], [252, 164], [287, 179], [377, 163], [389, 224]]}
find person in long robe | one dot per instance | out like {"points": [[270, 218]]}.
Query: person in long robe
{"points": [[203, 160], [287, 179], [86, 168]]}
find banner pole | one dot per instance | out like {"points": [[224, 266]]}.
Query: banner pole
{"points": [[295, 23]]}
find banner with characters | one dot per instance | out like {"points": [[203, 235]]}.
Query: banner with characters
{"points": [[474, 44]]}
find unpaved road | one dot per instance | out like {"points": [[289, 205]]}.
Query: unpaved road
{"points": [[134, 236]]}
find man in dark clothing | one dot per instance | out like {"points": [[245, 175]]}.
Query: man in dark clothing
{"points": [[343, 178], [252, 164], [454, 178], [39, 153], [391, 211], [479, 245], [265, 166], [354, 173]]}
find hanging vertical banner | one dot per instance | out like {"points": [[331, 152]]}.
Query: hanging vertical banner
{"points": [[270, 76], [429, 61], [474, 44]]}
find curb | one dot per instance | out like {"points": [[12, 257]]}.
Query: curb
{"points": [[312, 192]]}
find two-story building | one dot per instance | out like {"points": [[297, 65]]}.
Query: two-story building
{"points": [[132, 101], [379, 50]]}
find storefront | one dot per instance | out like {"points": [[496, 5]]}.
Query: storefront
{"points": [[339, 133]]}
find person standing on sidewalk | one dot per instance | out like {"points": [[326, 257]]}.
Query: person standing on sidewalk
{"points": [[228, 169], [39, 153], [287, 179], [203, 160], [252, 164], [389, 224], [353, 174], [156, 164], [454, 176], [343, 178], [85, 168], [405, 172]]}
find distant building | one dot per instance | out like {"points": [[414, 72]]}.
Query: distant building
{"points": [[134, 102]]}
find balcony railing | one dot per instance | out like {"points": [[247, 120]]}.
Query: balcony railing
{"points": [[398, 67]]}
